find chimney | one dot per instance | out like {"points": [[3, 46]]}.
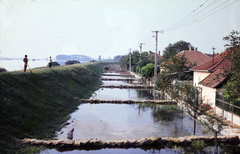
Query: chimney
{"points": [[150, 52], [159, 53], [189, 48], [195, 49]]}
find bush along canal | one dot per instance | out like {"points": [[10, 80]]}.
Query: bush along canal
{"points": [[140, 126]]}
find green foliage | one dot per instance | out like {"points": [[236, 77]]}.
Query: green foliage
{"points": [[164, 81], [122, 61], [71, 62], [117, 58], [144, 55], [231, 89], [143, 63], [197, 144], [148, 70], [175, 64], [137, 61], [233, 38], [34, 104], [172, 49]]}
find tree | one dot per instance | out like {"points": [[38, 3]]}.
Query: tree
{"points": [[164, 81], [148, 70], [175, 64], [122, 63], [191, 95], [173, 49], [143, 55], [231, 90], [117, 58], [143, 61]]}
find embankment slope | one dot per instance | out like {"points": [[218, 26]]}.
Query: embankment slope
{"points": [[35, 104]]}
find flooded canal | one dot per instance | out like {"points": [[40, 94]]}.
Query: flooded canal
{"points": [[123, 121]]}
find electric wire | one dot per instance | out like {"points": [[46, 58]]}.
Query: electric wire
{"points": [[186, 17], [196, 16], [202, 16]]}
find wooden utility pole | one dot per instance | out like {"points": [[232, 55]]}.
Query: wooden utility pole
{"points": [[140, 45], [155, 67], [213, 56], [129, 60]]}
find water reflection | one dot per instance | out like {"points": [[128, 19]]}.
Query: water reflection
{"points": [[122, 121], [126, 94], [172, 121]]}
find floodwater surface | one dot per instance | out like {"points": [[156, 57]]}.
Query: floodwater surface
{"points": [[124, 121]]}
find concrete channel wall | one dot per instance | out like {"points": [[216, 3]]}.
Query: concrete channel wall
{"points": [[152, 141]]}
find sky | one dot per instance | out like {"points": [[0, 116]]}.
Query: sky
{"points": [[43, 28]]}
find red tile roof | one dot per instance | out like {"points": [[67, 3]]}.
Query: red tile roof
{"points": [[213, 64], [217, 67], [194, 56], [213, 80], [152, 54], [209, 55]]}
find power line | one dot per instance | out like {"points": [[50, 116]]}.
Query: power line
{"points": [[197, 15], [201, 17], [183, 19]]}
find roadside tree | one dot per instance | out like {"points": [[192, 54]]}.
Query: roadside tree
{"points": [[231, 89]]}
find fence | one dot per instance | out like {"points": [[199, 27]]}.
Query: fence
{"points": [[233, 106]]}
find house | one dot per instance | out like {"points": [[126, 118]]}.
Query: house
{"points": [[193, 57], [151, 55], [208, 77]]}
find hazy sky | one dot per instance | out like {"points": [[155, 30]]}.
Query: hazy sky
{"points": [[43, 28]]}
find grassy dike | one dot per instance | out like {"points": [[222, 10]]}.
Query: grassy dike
{"points": [[34, 105]]}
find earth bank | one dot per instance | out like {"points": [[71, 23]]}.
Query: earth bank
{"points": [[34, 105]]}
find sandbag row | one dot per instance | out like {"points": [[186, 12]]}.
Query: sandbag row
{"points": [[120, 79], [128, 86], [152, 141], [125, 75], [96, 101]]}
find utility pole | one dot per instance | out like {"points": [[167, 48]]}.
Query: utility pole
{"points": [[140, 45], [213, 55], [155, 67], [129, 60]]}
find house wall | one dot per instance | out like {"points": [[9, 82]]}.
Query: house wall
{"points": [[198, 76], [208, 96], [228, 115]]}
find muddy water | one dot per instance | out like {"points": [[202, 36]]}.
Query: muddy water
{"points": [[122, 121]]}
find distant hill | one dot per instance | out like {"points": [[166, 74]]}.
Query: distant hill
{"points": [[74, 57]]}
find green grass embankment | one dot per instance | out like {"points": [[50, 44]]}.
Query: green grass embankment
{"points": [[34, 105]]}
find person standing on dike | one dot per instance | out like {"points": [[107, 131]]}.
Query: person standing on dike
{"points": [[50, 62], [25, 60]]}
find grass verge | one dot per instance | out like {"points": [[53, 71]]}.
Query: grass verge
{"points": [[34, 105]]}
